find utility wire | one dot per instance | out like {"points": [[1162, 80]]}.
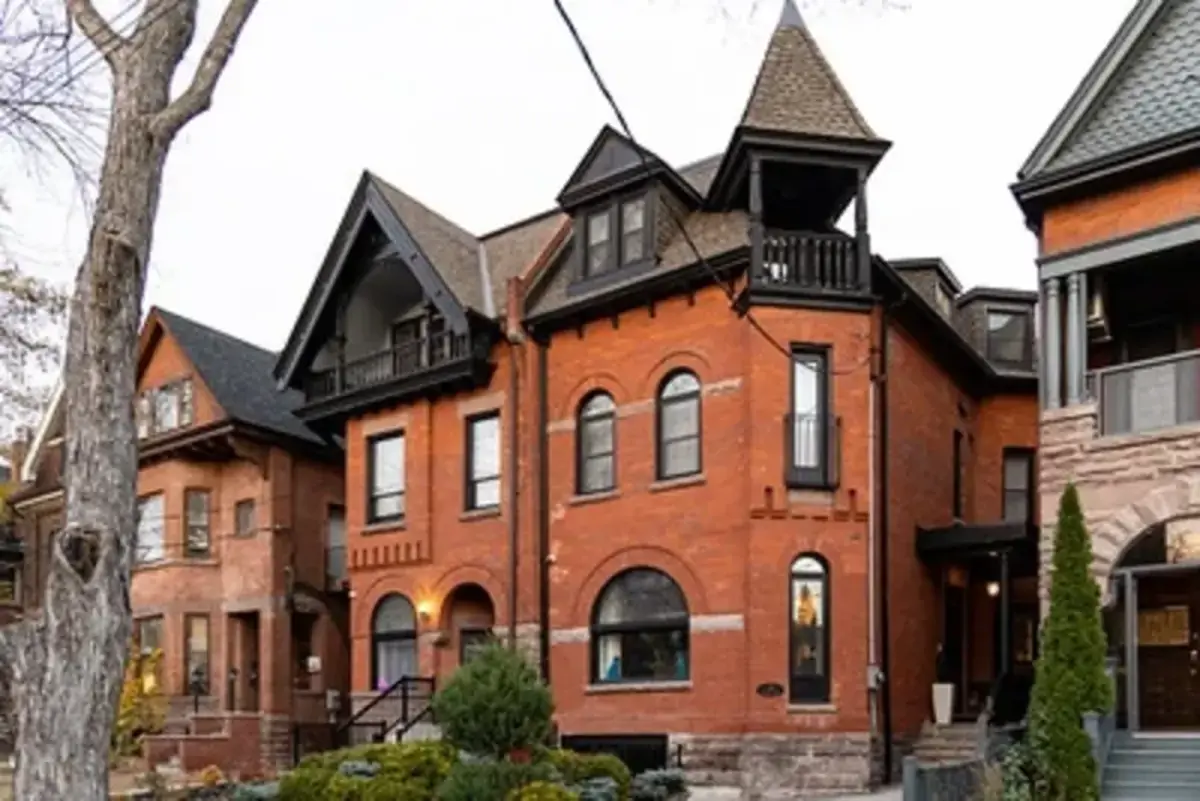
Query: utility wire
{"points": [[674, 215]]}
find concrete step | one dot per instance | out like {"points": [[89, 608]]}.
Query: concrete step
{"points": [[1148, 790]]}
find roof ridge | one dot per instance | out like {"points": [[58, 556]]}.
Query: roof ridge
{"points": [[450, 226]]}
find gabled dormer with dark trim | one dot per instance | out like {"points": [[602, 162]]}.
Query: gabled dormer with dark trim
{"points": [[623, 201], [801, 153], [401, 308]]}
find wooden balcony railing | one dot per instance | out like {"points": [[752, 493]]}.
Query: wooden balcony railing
{"points": [[808, 262], [400, 361], [1148, 395]]}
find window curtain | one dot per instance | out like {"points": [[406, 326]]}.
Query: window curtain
{"points": [[613, 610]]}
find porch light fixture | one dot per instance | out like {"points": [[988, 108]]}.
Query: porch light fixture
{"points": [[993, 588], [424, 611]]}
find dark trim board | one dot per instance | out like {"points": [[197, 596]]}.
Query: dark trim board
{"points": [[964, 539], [1121, 249]]}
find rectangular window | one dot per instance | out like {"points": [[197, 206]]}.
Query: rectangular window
{"points": [[335, 546], [483, 461], [149, 543], [148, 637], [197, 538], [10, 584], [165, 408], [599, 248], [196, 653], [1018, 484], [1008, 339], [385, 501], [957, 503], [633, 231], [244, 518], [808, 427]]}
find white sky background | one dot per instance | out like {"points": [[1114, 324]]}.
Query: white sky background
{"points": [[482, 108]]}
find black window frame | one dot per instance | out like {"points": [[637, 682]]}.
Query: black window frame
{"points": [[612, 208], [1028, 455], [956, 506], [1025, 360], [583, 419], [471, 482], [822, 475], [660, 442], [810, 689], [393, 635], [191, 550], [372, 496], [680, 624]]}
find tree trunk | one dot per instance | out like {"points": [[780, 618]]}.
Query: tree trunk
{"points": [[68, 660]]}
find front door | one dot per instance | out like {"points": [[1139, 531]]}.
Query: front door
{"points": [[1169, 651], [953, 667]]}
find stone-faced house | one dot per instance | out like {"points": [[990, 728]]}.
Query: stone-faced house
{"points": [[1112, 193], [730, 478], [239, 574]]}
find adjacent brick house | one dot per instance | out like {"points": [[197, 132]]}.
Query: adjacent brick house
{"points": [[1113, 194], [240, 566], [733, 480]]}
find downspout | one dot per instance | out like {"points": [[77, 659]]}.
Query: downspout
{"points": [[514, 479], [881, 409], [543, 546]]}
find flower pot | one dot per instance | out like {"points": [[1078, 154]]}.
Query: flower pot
{"points": [[943, 703]]}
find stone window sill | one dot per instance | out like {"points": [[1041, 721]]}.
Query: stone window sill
{"points": [[164, 563], [479, 514], [668, 484], [593, 497], [812, 709], [385, 527], [639, 687], [1112, 442]]}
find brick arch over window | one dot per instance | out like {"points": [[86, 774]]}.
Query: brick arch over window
{"points": [[676, 360], [471, 574], [603, 381], [367, 599], [637, 556], [1114, 534]]}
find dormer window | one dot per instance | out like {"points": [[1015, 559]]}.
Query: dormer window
{"points": [[164, 408], [616, 236], [1008, 341], [945, 303]]}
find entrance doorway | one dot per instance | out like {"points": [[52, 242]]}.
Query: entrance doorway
{"points": [[470, 616], [1169, 651]]}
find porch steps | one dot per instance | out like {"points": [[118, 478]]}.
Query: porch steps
{"points": [[1152, 769], [956, 742]]}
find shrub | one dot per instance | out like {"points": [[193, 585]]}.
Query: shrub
{"points": [[657, 785], [543, 791], [491, 780], [265, 791], [386, 772], [211, 776], [599, 788], [1070, 678], [142, 708], [495, 705]]}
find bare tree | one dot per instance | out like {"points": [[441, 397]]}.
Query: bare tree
{"points": [[67, 659]]}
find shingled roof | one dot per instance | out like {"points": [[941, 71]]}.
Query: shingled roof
{"points": [[1144, 88], [797, 91], [238, 374]]}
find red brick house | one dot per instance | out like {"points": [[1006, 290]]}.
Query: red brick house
{"points": [[731, 478], [239, 577]]}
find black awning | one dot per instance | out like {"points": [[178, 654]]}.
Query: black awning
{"points": [[964, 539]]}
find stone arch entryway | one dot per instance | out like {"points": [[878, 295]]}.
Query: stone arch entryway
{"points": [[468, 616], [1153, 625]]}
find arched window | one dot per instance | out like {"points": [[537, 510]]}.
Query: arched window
{"points": [[596, 470], [679, 425], [640, 629], [808, 657], [393, 641]]}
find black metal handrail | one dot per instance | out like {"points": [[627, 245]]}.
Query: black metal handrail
{"points": [[405, 726], [425, 686], [809, 261], [398, 361]]}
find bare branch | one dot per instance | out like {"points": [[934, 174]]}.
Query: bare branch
{"points": [[197, 98], [97, 30]]}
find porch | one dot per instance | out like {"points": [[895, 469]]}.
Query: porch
{"points": [[987, 616]]}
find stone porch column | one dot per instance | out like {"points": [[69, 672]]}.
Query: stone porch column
{"points": [[1051, 368], [1076, 337]]}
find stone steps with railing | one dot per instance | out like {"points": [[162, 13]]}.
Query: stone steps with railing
{"points": [[1152, 769], [955, 742]]}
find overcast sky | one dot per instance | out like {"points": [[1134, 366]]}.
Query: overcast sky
{"points": [[481, 109]]}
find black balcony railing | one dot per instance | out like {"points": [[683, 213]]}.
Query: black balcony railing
{"points": [[812, 450], [809, 262], [400, 361], [1150, 394]]}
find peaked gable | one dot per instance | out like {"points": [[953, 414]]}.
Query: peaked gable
{"points": [[163, 359], [417, 236], [613, 161], [1144, 87], [797, 91]]}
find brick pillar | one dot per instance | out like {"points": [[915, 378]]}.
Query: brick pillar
{"points": [[275, 662]]}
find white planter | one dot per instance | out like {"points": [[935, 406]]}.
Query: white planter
{"points": [[943, 703]]}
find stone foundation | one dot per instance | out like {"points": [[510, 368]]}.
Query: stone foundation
{"points": [[777, 767]]}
